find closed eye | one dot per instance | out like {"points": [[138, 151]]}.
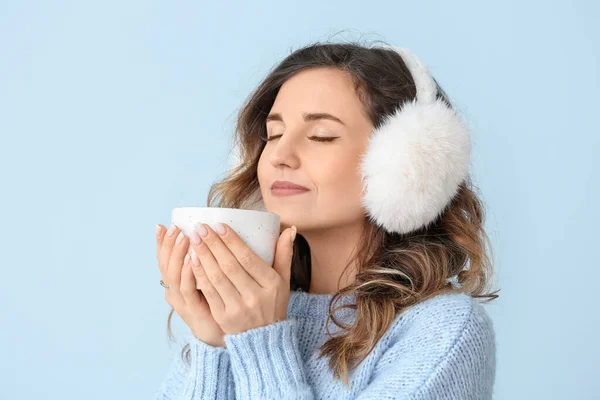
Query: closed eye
{"points": [[315, 138]]}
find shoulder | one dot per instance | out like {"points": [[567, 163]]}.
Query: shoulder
{"points": [[440, 322], [450, 337], [455, 306], [447, 314]]}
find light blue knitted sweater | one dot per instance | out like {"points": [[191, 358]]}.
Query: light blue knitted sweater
{"points": [[441, 348]]}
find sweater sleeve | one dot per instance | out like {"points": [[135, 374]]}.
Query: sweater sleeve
{"points": [[439, 366], [266, 362], [208, 376]]}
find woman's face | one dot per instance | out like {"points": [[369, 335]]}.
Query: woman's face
{"points": [[328, 169]]}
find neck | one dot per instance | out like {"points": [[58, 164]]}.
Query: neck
{"points": [[330, 251]]}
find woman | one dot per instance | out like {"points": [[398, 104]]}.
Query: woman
{"points": [[387, 220]]}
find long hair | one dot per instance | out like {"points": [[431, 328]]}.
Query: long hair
{"points": [[395, 271]]}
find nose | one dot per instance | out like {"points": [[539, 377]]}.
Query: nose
{"points": [[285, 152]]}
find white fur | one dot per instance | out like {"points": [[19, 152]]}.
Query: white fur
{"points": [[426, 87], [413, 165]]}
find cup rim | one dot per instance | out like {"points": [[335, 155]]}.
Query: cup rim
{"points": [[226, 208]]}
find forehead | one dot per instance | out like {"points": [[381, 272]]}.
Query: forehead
{"points": [[319, 90]]}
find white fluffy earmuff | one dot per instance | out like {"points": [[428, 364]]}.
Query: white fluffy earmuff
{"points": [[415, 160]]}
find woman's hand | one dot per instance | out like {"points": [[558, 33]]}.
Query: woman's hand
{"points": [[243, 291], [182, 295]]}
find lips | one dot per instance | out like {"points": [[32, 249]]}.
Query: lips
{"points": [[287, 185]]}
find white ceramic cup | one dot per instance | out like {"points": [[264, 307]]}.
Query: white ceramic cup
{"points": [[260, 230]]}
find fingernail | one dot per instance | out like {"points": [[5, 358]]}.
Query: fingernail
{"points": [[202, 231], [294, 231], [187, 257], [157, 229], [195, 238], [179, 238], [220, 228], [171, 230], [195, 260]]}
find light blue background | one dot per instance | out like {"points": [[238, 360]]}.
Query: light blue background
{"points": [[112, 113]]}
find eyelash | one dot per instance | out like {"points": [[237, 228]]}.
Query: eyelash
{"points": [[315, 138]]}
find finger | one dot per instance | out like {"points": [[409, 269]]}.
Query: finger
{"points": [[284, 251], [160, 235], [159, 239], [175, 265], [214, 269], [212, 296], [168, 241], [191, 296], [231, 251]]}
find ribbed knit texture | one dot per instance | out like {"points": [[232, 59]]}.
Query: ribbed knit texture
{"points": [[442, 348]]}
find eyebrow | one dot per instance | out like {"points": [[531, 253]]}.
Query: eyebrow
{"points": [[307, 117]]}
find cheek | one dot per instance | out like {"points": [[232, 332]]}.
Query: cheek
{"points": [[339, 197], [341, 175]]}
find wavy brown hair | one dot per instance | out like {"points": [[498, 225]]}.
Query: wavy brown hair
{"points": [[395, 271]]}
